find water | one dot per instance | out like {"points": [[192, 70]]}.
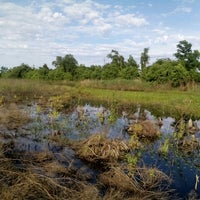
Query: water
{"points": [[87, 120]]}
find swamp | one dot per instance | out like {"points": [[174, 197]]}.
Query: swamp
{"points": [[71, 141]]}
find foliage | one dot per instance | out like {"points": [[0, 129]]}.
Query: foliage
{"points": [[188, 57], [166, 71], [116, 58], [110, 71], [144, 59], [3, 70], [164, 149], [66, 64], [129, 73], [17, 72], [177, 73]]}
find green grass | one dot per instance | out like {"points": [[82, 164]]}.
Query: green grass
{"points": [[161, 100], [172, 102]]}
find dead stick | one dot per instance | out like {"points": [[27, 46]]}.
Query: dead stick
{"points": [[197, 180]]}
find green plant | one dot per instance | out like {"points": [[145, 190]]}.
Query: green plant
{"points": [[131, 159], [164, 149], [134, 141], [2, 100], [181, 130]]}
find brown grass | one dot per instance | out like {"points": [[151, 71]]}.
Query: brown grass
{"points": [[11, 117], [99, 148], [144, 183], [41, 178], [145, 129]]}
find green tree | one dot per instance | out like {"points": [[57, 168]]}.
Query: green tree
{"points": [[110, 71], [129, 73], [166, 71], [83, 72], [144, 59], [188, 57], [66, 64], [116, 59], [131, 69], [131, 62], [3, 70], [96, 72], [17, 72]]}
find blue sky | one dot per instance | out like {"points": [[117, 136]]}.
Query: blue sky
{"points": [[35, 32]]}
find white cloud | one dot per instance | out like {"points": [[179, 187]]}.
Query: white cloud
{"points": [[129, 20], [183, 9], [178, 10], [159, 31], [37, 33]]}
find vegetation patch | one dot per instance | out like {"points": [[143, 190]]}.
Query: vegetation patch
{"points": [[144, 129], [99, 148], [144, 183], [11, 117]]}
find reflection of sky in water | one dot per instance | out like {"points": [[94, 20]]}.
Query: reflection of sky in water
{"points": [[182, 168], [90, 123]]}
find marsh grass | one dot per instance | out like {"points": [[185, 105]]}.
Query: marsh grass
{"points": [[168, 103], [11, 117], [161, 99], [40, 176], [99, 148], [144, 129], [144, 183], [136, 85], [124, 85], [14, 90]]}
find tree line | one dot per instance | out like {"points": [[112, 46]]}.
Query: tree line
{"points": [[185, 68]]}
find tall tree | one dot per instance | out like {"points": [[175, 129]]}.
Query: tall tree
{"points": [[131, 62], [116, 58], [144, 59], [67, 63], [188, 57], [3, 70]]}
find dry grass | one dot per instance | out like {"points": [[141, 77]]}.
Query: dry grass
{"points": [[189, 144], [41, 178], [99, 148], [145, 129], [144, 183], [11, 117]]}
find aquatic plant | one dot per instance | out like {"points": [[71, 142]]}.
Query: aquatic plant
{"points": [[181, 129], [146, 129], [132, 159], [164, 149], [144, 183]]}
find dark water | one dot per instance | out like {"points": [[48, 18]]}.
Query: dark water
{"points": [[87, 120]]}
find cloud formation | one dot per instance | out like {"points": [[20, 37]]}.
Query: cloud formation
{"points": [[36, 32]]}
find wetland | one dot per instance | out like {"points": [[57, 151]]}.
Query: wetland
{"points": [[63, 141]]}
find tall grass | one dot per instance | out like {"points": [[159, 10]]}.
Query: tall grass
{"points": [[162, 99], [19, 90], [125, 85], [137, 85], [169, 102]]}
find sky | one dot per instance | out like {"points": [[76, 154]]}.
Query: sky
{"points": [[35, 32]]}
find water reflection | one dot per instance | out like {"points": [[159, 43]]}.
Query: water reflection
{"points": [[87, 120]]}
